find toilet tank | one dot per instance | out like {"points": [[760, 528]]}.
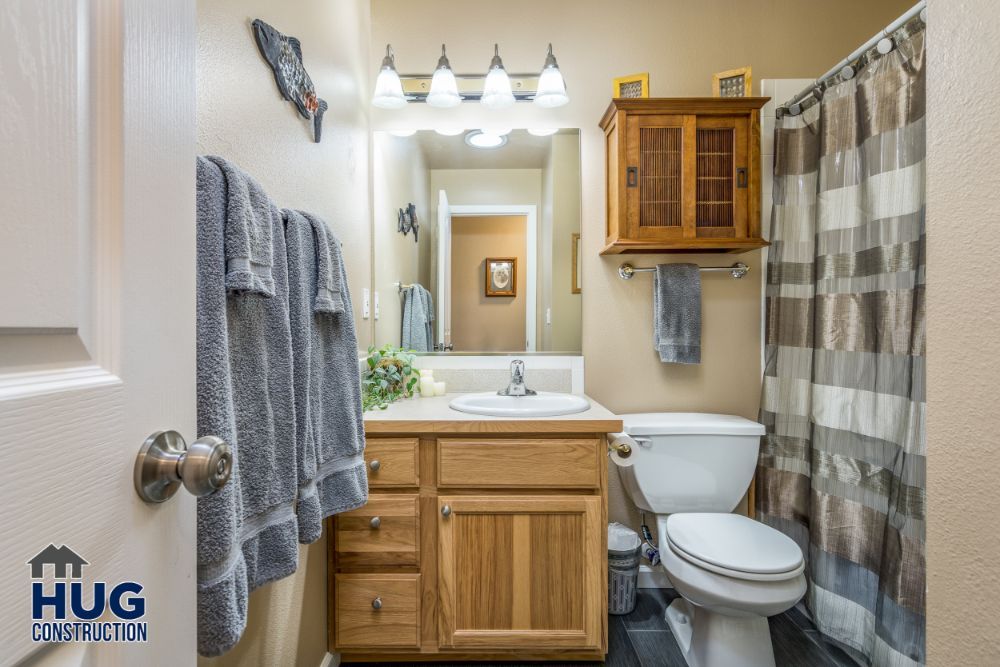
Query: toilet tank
{"points": [[690, 462]]}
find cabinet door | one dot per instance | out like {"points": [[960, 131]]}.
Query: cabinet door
{"points": [[722, 177], [659, 177], [521, 572]]}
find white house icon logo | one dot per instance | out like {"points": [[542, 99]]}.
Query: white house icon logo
{"points": [[70, 610], [60, 558]]}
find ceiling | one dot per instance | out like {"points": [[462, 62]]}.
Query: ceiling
{"points": [[522, 151]]}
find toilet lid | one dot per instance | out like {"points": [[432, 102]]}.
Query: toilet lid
{"points": [[734, 542]]}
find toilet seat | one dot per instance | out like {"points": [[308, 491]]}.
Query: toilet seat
{"points": [[734, 546]]}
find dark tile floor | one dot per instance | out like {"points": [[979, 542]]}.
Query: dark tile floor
{"points": [[642, 639]]}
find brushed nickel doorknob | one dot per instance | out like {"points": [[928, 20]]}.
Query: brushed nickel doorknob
{"points": [[165, 462], [376, 522]]}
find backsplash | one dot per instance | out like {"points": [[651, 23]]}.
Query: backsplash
{"points": [[491, 373]]}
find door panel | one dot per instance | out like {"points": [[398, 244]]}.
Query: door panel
{"points": [[659, 176], [535, 559], [97, 330], [722, 177]]}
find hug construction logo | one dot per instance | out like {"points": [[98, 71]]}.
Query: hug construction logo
{"points": [[70, 617]]}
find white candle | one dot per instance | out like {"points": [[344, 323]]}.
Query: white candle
{"points": [[439, 388], [426, 387], [426, 372]]}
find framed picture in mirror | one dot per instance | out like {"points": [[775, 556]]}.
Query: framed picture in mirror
{"points": [[501, 276]]}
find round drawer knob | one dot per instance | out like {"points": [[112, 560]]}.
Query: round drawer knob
{"points": [[377, 603], [375, 464], [376, 522], [446, 510]]}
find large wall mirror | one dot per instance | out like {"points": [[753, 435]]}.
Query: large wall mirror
{"points": [[475, 244]]}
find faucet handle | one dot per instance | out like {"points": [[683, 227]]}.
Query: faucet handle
{"points": [[517, 368]]}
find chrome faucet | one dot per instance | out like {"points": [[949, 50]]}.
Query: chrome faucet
{"points": [[516, 386]]}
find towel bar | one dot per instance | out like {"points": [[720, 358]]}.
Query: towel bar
{"points": [[402, 286], [737, 270]]}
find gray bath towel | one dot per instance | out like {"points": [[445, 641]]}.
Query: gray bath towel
{"points": [[330, 435], [249, 250], [247, 531], [418, 318], [677, 313]]}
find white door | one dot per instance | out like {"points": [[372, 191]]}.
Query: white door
{"points": [[444, 270], [97, 311]]}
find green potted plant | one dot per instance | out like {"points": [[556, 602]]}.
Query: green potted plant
{"points": [[389, 377]]}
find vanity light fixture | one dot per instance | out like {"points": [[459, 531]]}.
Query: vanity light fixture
{"points": [[444, 88], [542, 131], [483, 139], [501, 132], [496, 91], [551, 85], [450, 131], [388, 88]]}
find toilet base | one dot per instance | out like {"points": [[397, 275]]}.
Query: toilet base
{"points": [[708, 639]]}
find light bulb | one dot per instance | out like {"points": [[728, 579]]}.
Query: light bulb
{"points": [[496, 89], [551, 85], [444, 88], [388, 87], [542, 131], [483, 139], [449, 131]]}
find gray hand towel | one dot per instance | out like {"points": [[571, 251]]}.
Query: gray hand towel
{"points": [[428, 317], [330, 435], [677, 313], [247, 532], [249, 250], [417, 318]]}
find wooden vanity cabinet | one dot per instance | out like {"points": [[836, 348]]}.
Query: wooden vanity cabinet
{"points": [[683, 175], [496, 550]]}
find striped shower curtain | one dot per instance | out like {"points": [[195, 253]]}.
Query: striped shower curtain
{"points": [[842, 467]]}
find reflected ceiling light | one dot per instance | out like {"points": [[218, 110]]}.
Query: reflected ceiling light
{"points": [[444, 88], [481, 139], [450, 131], [502, 132], [496, 90], [402, 133], [551, 85], [542, 131], [388, 87]]}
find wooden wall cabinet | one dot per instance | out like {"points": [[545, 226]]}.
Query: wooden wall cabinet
{"points": [[683, 174], [475, 546]]}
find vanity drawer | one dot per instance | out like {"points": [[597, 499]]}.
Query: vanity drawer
{"points": [[383, 532], [377, 610], [521, 462], [392, 462]]}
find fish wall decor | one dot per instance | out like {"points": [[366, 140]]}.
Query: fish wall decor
{"points": [[284, 55]]}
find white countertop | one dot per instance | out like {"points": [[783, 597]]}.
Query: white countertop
{"points": [[433, 414]]}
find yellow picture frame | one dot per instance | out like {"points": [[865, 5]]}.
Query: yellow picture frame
{"points": [[743, 72], [628, 83]]}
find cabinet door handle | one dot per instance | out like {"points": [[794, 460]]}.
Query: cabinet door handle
{"points": [[446, 510], [377, 603], [375, 465], [376, 522], [632, 177], [741, 177]]}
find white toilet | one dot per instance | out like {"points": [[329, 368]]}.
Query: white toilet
{"points": [[732, 572]]}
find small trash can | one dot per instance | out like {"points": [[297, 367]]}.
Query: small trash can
{"points": [[623, 568]]}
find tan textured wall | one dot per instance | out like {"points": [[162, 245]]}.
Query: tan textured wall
{"points": [[399, 176], [479, 322], [680, 44], [242, 116], [963, 303]]}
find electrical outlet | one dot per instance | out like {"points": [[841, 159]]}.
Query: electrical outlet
{"points": [[365, 304]]}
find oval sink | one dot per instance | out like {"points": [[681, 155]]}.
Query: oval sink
{"points": [[544, 404]]}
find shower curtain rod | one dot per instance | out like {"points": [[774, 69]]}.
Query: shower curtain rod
{"points": [[793, 106]]}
